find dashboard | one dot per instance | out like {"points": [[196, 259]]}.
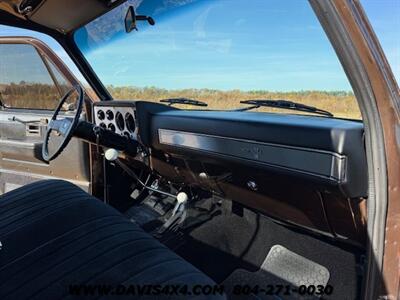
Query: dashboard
{"points": [[307, 170]]}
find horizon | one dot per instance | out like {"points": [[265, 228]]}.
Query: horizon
{"points": [[346, 92]]}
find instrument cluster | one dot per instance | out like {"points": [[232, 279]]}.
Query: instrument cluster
{"points": [[121, 120]]}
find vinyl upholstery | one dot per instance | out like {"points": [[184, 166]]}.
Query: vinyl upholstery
{"points": [[53, 235]]}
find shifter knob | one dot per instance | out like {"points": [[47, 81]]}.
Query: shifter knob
{"points": [[111, 154], [181, 198]]}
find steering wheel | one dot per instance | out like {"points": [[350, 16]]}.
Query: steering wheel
{"points": [[62, 127]]}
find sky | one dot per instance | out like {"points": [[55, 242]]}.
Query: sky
{"points": [[263, 45]]}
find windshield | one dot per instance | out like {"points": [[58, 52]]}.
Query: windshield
{"points": [[218, 52]]}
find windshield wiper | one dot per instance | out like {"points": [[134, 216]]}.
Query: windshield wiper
{"points": [[284, 104], [187, 101]]}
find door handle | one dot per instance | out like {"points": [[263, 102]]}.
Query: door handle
{"points": [[15, 119]]}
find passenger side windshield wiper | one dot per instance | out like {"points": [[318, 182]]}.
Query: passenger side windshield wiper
{"points": [[187, 101], [284, 104]]}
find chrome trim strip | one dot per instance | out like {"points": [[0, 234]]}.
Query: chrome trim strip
{"points": [[18, 161], [19, 144], [80, 183], [311, 161]]}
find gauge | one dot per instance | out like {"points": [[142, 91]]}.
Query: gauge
{"points": [[102, 125], [101, 115], [130, 122], [111, 127], [119, 120], [110, 115]]}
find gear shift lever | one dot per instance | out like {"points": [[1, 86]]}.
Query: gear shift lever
{"points": [[181, 200], [178, 212], [112, 155]]}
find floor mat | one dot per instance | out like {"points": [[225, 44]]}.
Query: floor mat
{"points": [[282, 267]]}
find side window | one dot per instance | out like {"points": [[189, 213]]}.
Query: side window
{"points": [[26, 80]]}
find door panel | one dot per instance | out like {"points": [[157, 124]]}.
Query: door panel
{"points": [[21, 153], [22, 129]]}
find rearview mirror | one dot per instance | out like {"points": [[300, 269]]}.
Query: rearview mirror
{"points": [[131, 18]]}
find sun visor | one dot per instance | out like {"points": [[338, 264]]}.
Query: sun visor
{"points": [[67, 15]]}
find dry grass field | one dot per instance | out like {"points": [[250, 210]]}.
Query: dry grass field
{"points": [[341, 104]]}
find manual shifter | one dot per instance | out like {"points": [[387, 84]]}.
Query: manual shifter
{"points": [[113, 155], [181, 200], [178, 214]]}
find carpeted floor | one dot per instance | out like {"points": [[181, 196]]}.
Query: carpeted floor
{"points": [[228, 241]]}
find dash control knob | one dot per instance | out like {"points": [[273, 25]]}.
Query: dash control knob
{"points": [[252, 185]]}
